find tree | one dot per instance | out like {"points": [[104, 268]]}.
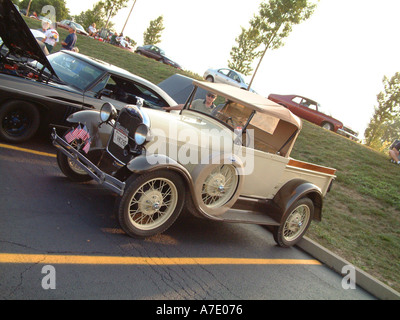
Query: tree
{"points": [[111, 8], [384, 124], [245, 52], [96, 15], [275, 21], [153, 33]]}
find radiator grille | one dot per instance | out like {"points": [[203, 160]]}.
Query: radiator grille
{"points": [[126, 124]]}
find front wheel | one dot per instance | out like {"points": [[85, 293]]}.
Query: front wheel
{"points": [[69, 167], [151, 203], [295, 223], [210, 79]]}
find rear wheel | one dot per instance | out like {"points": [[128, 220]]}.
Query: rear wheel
{"points": [[295, 223], [151, 203], [327, 126], [19, 121]]}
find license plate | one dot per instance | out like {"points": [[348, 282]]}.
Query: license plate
{"points": [[120, 138]]}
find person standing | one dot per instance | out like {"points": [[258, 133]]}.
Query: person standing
{"points": [[70, 40], [51, 38]]}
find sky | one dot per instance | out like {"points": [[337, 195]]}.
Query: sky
{"points": [[338, 57]]}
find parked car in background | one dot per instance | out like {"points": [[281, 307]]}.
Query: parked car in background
{"points": [[307, 109], [38, 90], [39, 35], [154, 52], [227, 76], [66, 24], [349, 133]]}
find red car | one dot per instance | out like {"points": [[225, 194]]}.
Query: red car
{"points": [[307, 109]]}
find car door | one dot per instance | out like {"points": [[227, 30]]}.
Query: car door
{"points": [[314, 115], [303, 109], [298, 108], [222, 76], [154, 52], [234, 79]]}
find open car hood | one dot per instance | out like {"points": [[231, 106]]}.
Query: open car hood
{"points": [[17, 37]]}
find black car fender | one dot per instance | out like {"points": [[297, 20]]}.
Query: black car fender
{"points": [[295, 190], [99, 132], [151, 162]]}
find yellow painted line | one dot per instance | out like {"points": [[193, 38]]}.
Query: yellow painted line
{"points": [[6, 146], [109, 260]]}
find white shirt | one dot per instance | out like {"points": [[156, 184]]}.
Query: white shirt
{"points": [[52, 37]]}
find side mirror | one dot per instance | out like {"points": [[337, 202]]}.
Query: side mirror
{"points": [[108, 112], [104, 92]]}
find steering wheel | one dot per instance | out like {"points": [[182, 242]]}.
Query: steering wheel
{"points": [[231, 120]]}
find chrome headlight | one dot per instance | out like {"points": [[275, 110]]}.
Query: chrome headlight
{"points": [[107, 112], [142, 134]]}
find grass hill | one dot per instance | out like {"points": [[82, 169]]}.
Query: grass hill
{"points": [[361, 215]]}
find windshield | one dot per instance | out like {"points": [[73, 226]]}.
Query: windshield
{"points": [[233, 114], [78, 26], [74, 71]]}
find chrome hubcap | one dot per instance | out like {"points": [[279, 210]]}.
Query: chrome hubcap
{"points": [[296, 222]]}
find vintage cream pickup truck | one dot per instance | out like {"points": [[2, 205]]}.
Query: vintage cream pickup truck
{"points": [[227, 163]]}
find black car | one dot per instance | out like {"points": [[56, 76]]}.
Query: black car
{"points": [[36, 90], [154, 52]]}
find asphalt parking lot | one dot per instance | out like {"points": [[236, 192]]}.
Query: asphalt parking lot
{"points": [[55, 232]]}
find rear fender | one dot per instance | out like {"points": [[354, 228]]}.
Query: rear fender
{"points": [[99, 132], [293, 191]]}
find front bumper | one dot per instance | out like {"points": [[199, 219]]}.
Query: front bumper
{"points": [[85, 164], [347, 134]]}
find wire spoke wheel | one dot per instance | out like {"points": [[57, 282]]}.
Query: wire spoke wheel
{"points": [[295, 223], [72, 163], [151, 203], [219, 187], [69, 167]]}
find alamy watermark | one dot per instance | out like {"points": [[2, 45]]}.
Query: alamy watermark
{"points": [[349, 280], [49, 280], [191, 146]]}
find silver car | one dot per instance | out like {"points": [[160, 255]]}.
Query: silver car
{"points": [[227, 76]]}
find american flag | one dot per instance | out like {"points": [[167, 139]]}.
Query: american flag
{"points": [[87, 146], [83, 134], [71, 136]]}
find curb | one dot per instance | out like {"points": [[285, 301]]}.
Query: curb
{"points": [[363, 279]]}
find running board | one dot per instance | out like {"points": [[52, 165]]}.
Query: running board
{"points": [[248, 216]]}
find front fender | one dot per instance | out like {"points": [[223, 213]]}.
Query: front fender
{"points": [[99, 132], [152, 162], [293, 191]]}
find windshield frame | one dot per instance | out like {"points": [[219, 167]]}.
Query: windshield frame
{"points": [[217, 110]]}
